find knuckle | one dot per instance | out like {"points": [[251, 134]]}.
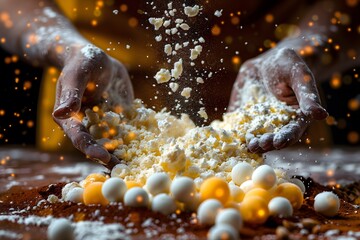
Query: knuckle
{"points": [[93, 57]]}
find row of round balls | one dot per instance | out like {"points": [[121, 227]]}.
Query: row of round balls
{"points": [[260, 194]]}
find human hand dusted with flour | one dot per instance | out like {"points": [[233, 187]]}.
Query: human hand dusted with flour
{"points": [[284, 75], [89, 77], [43, 36], [289, 70]]}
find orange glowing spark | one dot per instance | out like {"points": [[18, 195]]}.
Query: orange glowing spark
{"points": [[30, 124], [123, 7], [133, 22], [269, 18], [353, 137], [94, 23], [215, 30], [236, 60]]}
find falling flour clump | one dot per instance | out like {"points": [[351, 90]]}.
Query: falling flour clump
{"points": [[168, 49], [156, 22], [162, 76], [177, 70], [195, 52], [218, 13], [192, 11], [203, 113], [186, 92], [174, 86]]}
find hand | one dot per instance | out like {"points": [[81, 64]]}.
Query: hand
{"points": [[89, 77], [286, 76]]}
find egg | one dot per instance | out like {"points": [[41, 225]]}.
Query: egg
{"points": [[120, 170], [164, 204], [264, 176], [236, 193], [254, 210], [131, 184], [92, 194], [60, 229], [232, 204], [158, 183], [259, 192], [241, 172], [298, 183], [216, 188], [327, 204], [136, 197], [114, 189], [291, 192], [67, 188], [230, 217], [75, 195], [280, 206], [247, 186], [183, 189], [208, 211], [93, 177], [223, 232]]}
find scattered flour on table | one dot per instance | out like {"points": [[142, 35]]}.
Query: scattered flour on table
{"points": [[9, 234], [92, 230]]}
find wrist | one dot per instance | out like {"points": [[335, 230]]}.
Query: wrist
{"points": [[316, 49]]}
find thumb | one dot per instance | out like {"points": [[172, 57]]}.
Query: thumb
{"points": [[304, 87], [69, 92]]}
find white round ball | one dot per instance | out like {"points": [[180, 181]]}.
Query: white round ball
{"points": [[247, 186], [136, 197], [164, 204], [66, 189], [208, 211], [75, 195], [60, 229], [327, 203], [183, 189], [114, 189], [280, 206], [223, 232], [158, 183], [120, 170], [264, 177], [230, 217], [241, 172], [299, 183]]}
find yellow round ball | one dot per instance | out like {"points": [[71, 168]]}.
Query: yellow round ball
{"points": [[254, 210], [236, 193], [93, 177], [232, 204], [292, 192], [131, 184], [215, 188], [259, 192], [92, 194]]}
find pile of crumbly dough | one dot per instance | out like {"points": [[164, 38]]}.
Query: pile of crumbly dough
{"points": [[150, 141]]}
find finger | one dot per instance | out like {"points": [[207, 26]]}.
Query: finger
{"points": [[84, 142], [304, 86], [266, 142], [69, 91], [253, 146], [290, 133]]}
